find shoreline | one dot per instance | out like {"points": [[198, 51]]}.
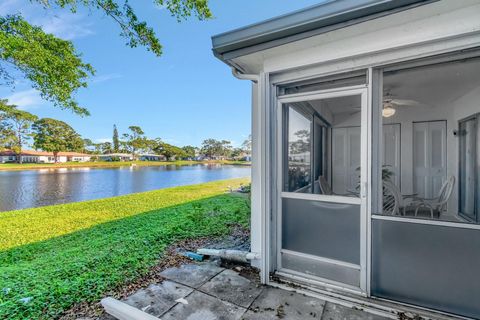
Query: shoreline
{"points": [[79, 165]]}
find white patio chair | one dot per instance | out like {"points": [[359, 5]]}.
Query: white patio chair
{"points": [[394, 203], [438, 204], [324, 186]]}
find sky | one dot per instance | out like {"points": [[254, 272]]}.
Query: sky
{"points": [[182, 97]]}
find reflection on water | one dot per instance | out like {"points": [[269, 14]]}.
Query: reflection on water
{"points": [[34, 188]]}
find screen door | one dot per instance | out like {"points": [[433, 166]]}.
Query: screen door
{"points": [[322, 187]]}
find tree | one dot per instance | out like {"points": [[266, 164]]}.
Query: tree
{"points": [[116, 142], [213, 148], [237, 152], [247, 145], [226, 148], [136, 32], [190, 151], [106, 147], [54, 67], [55, 136], [17, 124], [135, 139], [169, 151], [88, 143]]}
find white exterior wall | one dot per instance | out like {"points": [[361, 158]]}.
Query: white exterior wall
{"points": [[81, 159], [256, 175], [4, 159]]}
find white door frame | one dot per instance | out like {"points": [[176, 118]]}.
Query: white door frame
{"points": [[361, 90]]}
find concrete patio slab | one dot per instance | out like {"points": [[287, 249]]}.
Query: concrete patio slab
{"points": [[208, 292], [192, 275], [275, 303], [204, 307], [338, 312], [228, 285], [157, 299]]}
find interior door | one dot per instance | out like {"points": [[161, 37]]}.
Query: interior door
{"points": [[391, 151], [321, 228], [430, 157], [346, 160]]}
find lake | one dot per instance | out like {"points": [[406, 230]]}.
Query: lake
{"points": [[35, 188]]}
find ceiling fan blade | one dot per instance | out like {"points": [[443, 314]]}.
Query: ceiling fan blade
{"points": [[409, 103]]}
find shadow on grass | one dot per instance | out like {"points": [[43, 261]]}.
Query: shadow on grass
{"points": [[55, 274]]}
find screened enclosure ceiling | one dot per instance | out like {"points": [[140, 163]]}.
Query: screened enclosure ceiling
{"points": [[434, 85]]}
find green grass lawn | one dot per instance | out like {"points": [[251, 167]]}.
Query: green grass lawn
{"points": [[60, 255], [110, 164]]}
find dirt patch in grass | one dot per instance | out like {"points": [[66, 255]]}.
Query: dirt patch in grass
{"points": [[172, 257]]}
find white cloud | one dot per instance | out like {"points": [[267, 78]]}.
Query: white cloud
{"points": [[103, 140], [171, 141], [106, 77], [26, 99], [65, 25], [60, 22]]}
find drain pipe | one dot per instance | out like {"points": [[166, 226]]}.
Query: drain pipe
{"points": [[232, 255], [243, 76]]}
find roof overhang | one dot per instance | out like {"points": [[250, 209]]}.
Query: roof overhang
{"points": [[305, 23]]}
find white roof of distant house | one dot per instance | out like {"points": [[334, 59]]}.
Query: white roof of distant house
{"points": [[150, 155], [44, 153], [116, 155]]}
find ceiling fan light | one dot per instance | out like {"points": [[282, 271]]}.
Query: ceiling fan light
{"points": [[388, 111]]}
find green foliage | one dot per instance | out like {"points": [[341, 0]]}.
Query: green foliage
{"points": [[135, 139], [67, 254], [247, 145], [115, 140], [55, 136], [189, 151], [51, 64], [16, 126], [169, 151], [213, 147], [135, 31], [87, 145], [106, 147]]}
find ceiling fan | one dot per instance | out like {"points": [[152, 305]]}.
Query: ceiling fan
{"points": [[390, 103]]}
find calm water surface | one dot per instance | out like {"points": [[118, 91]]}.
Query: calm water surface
{"points": [[34, 188]]}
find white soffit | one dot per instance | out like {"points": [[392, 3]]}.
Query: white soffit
{"points": [[424, 24]]}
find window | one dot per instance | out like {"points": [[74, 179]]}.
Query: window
{"points": [[298, 151], [429, 159], [324, 83], [322, 146]]}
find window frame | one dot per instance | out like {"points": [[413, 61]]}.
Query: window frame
{"points": [[360, 90]]}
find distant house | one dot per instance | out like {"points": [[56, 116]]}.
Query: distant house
{"points": [[116, 157], [151, 157], [32, 156], [7, 156]]}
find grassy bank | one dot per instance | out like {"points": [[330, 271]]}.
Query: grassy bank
{"points": [[109, 164], [53, 257]]}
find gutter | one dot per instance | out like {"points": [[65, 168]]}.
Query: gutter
{"points": [[244, 76]]}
